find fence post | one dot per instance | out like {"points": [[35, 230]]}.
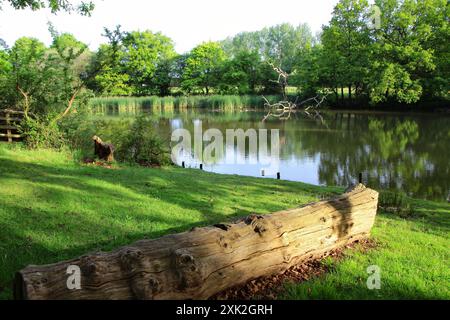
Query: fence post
{"points": [[8, 130]]}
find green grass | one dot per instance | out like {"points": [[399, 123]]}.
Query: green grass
{"points": [[413, 255], [52, 209]]}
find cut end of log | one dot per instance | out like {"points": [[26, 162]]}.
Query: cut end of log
{"points": [[204, 261]]}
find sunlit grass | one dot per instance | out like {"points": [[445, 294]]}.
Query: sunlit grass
{"points": [[52, 209], [412, 254]]}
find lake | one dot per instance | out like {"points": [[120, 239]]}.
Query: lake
{"points": [[406, 152]]}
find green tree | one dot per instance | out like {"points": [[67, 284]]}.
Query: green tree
{"points": [[398, 51], [435, 15], [145, 54], [70, 58], [133, 63], [41, 80], [26, 84], [5, 70], [203, 67], [308, 72], [241, 74], [243, 42], [283, 43], [347, 47], [84, 8], [109, 82], [411, 51], [177, 69], [108, 66]]}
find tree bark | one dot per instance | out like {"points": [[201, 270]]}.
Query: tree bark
{"points": [[204, 261], [104, 151]]}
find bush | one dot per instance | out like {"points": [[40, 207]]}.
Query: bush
{"points": [[42, 132], [79, 130], [141, 145], [395, 202], [135, 140]]}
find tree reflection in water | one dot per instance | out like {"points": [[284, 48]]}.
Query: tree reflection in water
{"points": [[406, 152]]}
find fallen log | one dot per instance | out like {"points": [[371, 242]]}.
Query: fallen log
{"points": [[204, 261]]}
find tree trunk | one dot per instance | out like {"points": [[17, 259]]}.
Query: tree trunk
{"points": [[104, 151], [205, 261]]}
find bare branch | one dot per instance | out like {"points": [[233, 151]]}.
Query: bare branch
{"points": [[283, 109], [70, 104], [26, 102]]}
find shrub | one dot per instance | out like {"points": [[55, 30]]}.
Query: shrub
{"points": [[79, 130], [141, 145], [134, 139], [42, 132], [395, 202]]}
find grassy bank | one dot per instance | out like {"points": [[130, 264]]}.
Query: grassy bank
{"points": [[52, 209]]}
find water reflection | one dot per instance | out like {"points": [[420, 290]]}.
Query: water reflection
{"points": [[394, 151]]}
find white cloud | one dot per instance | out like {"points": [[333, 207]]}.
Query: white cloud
{"points": [[187, 22]]}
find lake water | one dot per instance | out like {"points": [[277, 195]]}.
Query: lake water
{"points": [[407, 152]]}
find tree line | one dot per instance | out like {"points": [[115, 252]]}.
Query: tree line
{"points": [[403, 57]]}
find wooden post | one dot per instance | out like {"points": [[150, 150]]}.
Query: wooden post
{"points": [[8, 130]]}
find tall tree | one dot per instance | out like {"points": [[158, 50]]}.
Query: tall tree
{"points": [[29, 76], [71, 58], [5, 71], [280, 44], [241, 74], [401, 57], [347, 44], [108, 65], [145, 54], [202, 67]]}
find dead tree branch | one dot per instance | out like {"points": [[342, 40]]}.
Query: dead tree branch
{"points": [[26, 101], [283, 109]]}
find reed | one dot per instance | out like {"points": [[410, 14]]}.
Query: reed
{"points": [[224, 102]]}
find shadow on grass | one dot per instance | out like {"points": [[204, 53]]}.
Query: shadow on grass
{"points": [[61, 212]]}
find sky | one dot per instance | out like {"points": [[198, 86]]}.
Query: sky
{"points": [[187, 22]]}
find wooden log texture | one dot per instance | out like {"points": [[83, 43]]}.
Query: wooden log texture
{"points": [[204, 261]]}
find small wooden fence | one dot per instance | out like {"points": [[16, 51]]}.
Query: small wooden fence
{"points": [[9, 121]]}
